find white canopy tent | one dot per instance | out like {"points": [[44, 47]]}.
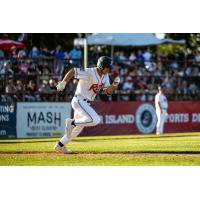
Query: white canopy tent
{"points": [[126, 39]]}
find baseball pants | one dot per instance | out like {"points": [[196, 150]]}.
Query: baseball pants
{"points": [[160, 122], [84, 115]]}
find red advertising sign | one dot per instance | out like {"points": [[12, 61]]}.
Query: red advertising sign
{"points": [[120, 118]]}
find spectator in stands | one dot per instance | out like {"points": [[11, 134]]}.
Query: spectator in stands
{"points": [[76, 55], [15, 70], [195, 72], [173, 72], [44, 90], [150, 66], [174, 64], [10, 88], [2, 55], [197, 58], [59, 55], [193, 91], [52, 84], [19, 90], [141, 85], [6, 70], [13, 52], [57, 51], [121, 57], [45, 71], [123, 60], [23, 67], [33, 68], [188, 70], [147, 55], [33, 71], [127, 87], [141, 96], [19, 86], [21, 53], [11, 91], [52, 90], [190, 54], [158, 69], [140, 59], [140, 56], [31, 91], [45, 53], [183, 89], [132, 57], [34, 53], [94, 54]]}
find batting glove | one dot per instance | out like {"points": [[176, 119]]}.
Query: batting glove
{"points": [[61, 85], [116, 81]]}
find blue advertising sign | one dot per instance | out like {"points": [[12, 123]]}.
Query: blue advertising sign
{"points": [[7, 120]]}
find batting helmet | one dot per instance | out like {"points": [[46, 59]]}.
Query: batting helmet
{"points": [[104, 61]]}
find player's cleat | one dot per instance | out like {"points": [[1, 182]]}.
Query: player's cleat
{"points": [[68, 127], [62, 149]]}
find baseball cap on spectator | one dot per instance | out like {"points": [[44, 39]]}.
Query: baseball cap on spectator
{"points": [[161, 87]]}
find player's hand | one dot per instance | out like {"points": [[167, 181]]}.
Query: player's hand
{"points": [[116, 81], [61, 85]]}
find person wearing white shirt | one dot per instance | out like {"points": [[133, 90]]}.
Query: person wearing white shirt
{"points": [[161, 106], [91, 82], [147, 56], [127, 87]]}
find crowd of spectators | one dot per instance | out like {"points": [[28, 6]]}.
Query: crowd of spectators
{"points": [[33, 75], [143, 72]]}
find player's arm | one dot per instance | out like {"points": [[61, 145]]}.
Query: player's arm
{"points": [[61, 85], [109, 90]]}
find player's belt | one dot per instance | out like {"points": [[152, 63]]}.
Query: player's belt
{"points": [[83, 99]]}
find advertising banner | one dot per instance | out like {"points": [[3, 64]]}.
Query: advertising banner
{"points": [[7, 120], [41, 119], [184, 116], [118, 118]]}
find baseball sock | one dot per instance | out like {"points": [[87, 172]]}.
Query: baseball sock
{"points": [[73, 123], [60, 144]]}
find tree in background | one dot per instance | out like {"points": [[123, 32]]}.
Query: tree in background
{"points": [[192, 39], [192, 43]]}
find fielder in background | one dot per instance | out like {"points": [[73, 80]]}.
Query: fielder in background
{"points": [[91, 81], [161, 110]]}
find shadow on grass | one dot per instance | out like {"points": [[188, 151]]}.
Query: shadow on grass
{"points": [[95, 138], [136, 138], [103, 152]]}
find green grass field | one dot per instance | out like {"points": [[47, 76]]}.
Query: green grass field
{"points": [[180, 149]]}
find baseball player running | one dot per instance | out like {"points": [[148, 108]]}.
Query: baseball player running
{"points": [[91, 81], [161, 110]]}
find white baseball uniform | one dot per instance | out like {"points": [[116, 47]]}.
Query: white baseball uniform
{"points": [[90, 83], [161, 114]]}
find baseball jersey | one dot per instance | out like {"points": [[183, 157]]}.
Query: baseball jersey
{"points": [[162, 100], [90, 83]]}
